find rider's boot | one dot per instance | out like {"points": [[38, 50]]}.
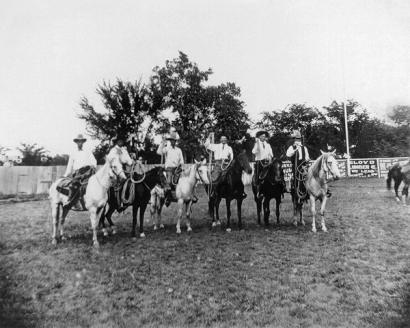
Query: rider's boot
{"points": [[259, 194]]}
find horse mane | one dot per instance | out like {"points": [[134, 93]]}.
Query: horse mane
{"points": [[317, 166]]}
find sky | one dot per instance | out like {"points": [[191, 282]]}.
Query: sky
{"points": [[278, 52]]}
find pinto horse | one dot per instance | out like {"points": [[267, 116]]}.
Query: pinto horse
{"points": [[139, 194], [324, 168], [271, 187], [230, 188]]}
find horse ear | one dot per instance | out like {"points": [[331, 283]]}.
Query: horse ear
{"points": [[322, 152], [196, 162], [334, 152]]}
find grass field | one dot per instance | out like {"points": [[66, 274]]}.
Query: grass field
{"points": [[356, 275]]}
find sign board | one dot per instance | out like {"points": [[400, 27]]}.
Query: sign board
{"points": [[342, 165], [364, 168], [287, 170]]}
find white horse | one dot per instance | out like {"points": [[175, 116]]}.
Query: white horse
{"points": [[184, 191], [324, 168], [57, 199], [96, 194]]}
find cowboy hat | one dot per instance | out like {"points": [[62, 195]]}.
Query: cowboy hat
{"points": [[80, 137], [171, 138], [259, 133], [296, 134]]}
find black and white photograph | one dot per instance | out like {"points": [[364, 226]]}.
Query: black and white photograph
{"points": [[205, 163]]}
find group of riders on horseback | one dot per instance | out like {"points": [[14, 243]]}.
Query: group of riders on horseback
{"points": [[82, 164]]}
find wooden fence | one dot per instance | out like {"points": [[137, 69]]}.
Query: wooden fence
{"points": [[24, 180]]}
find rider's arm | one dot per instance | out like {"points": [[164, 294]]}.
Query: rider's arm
{"points": [[307, 154], [291, 151], [181, 157], [256, 147], [69, 168], [209, 145], [270, 153], [230, 153], [161, 149]]}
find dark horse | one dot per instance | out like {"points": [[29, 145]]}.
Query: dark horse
{"points": [[397, 176], [230, 187], [137, 194], [271, 187], [399, 173]]}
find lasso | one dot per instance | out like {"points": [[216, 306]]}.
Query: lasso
{"points": [[131, 183], [300, 178]]}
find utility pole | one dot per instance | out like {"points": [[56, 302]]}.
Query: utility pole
{"points": [[347, 139]]}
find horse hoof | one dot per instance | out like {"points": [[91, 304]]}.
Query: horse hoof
{"points": [[397, 199], [213, 224], [54, 241], [114, 231], [314, 230], [324, 229], [303, 223], [218, 222], [162, 226], [155, 227], [63, 238], [295, 224], [178, 231], [189, 229], [105, 232], [96, 245], [134, 238], [142, 235], [228, 229]]}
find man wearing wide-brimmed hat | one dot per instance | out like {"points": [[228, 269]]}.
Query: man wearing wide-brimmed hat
{"points": [[298, 155], [173, 159], [263, 155], [81, 165]]}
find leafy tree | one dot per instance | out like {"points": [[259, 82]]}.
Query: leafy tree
{"points": [[33, 154], [195, 109], [127, 107], [400, 115], [58, 159]]}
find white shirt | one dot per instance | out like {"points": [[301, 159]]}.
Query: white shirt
{"points": [[262, 150], [173, 156], [290, 152], [221, 151], [79, 159]]}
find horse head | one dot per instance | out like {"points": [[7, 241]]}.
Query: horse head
{"points": [[116, 170], [276, 167], [124, 157], [202, 172], [329, 165], [243, 162]]}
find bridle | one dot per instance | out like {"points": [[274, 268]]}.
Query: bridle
{"points": [[327, 169], [115, 174]]}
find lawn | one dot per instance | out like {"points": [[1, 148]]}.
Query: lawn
{"points": [[356, 275]]}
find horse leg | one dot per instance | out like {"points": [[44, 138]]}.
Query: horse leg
{"points": [[278, 200], [160, 207], [396, 189], [188, 215], [62, 220], [322, 213], [142, 212], [228, 214], [217, 202], [94, 223], [313, 210], [295, 212], [405, 193], [239, 209], [300, 208], [108, 217], [134, 220], [266, 211], [55, 213], [180, 205]]}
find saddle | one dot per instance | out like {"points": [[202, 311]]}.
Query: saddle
{"points": [[75, 185], [218, 175], [176, 174]]}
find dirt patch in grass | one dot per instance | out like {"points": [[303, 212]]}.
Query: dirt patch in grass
{"points": [[356, 275]]}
